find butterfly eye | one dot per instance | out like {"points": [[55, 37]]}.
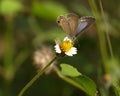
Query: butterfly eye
{"points": [[58, 21]]}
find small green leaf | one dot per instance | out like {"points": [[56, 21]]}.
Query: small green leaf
{"points": [[86, 84], [82, 82], [69, 70]]}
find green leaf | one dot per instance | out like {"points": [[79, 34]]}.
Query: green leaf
{"points": [[10, 6], [80, 81], [48, 10], [69, 70], [86, 84]]}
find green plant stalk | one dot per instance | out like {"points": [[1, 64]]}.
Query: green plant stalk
{"points": [[116, 86], [107, 35], [36, 77], [70, 81], [101, 35]]}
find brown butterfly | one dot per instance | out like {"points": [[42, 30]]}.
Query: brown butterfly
{"points": [[73, 25]]}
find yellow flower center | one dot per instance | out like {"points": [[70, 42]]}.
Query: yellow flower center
{"points": [[65, 46]]}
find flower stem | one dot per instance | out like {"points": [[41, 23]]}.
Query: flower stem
{"points": [[36, 77]]}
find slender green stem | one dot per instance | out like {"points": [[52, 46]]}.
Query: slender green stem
{"points": [[107, 35], [36, 77], [101, 35], [72, 82]]}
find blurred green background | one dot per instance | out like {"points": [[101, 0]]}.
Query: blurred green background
{"points": [[27, 25]]}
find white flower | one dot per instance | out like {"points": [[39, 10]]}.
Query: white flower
{"points": [[66, 47]]}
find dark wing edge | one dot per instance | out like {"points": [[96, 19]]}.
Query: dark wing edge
{"points": [[84, 23]]}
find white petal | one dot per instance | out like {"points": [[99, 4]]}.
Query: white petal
{"points": [[57, 48], [71, 52], [74, 50]]}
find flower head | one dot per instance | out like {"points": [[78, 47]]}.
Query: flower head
{"points": [[65, 47]]}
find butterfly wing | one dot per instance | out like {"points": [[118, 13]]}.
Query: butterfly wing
{"points": [[73, 23], [84, 23], [62, 21]]}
